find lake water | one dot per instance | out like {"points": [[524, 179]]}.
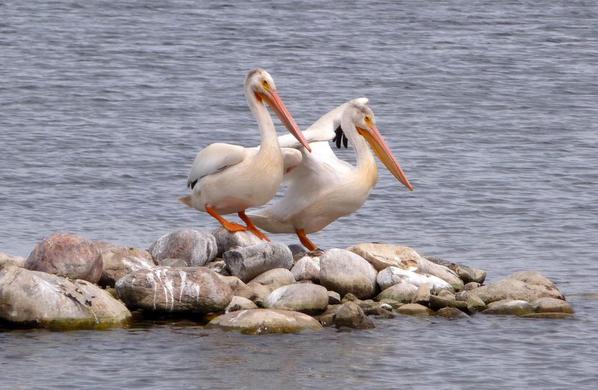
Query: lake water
{"points": [[491, 107]]}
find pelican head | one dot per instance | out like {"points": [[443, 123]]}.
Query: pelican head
{"points": [[261, 84], [364, 120]]}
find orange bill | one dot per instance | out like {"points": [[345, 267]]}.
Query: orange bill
{"points": [[285, 117], [380, 147]]}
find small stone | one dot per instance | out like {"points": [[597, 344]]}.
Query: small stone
{"points": [[226, 240], [451, 313], [510, 307], [306, 298], [401, 292], [240, 303], [414, 309], [334, 298], [265, 321], [194, 247], [275, 278], [119, 261], [465, 273], [515, 289], [393, 275], [307, 268], [345, 272], [67, 255], [378, 309], [350, 315], [248, 262], [551, 305], [6, 259]]}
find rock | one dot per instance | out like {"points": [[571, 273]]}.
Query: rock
{"points": [[175, 290], [32, 298], [307, 268], [384, 255], [327, 318], [226, 240], [438, 302], [393, 275], [414, 309], [264, 321], [537, 279], [401, 292], [119, 261], [471, 286], [237, 286], [465, 273], [195, 247], [306, 298], [297, 251], [551, 305], [451, 313], [509, 306], [515, 289], [218, 266], [175, 263], [240, 303], [67, 255], [345, 272], [275, 278], [258, 293], [350, 315], [6, 259], [334, 298], [248, 262], [379, 309], [475, 304], [423, 294]]}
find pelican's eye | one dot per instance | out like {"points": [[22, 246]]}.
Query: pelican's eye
{"points": [[368, 120], [266, 85]]}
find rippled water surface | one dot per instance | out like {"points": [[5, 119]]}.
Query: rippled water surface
{"points": [[491, 107]]}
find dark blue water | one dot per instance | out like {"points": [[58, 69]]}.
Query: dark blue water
{"points": [[491, 107]]}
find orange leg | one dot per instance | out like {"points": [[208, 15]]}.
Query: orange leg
{"points": [[230, 226], [306, 241], [251, 227]]}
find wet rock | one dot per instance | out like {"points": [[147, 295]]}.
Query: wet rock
{"points": [[466, 274], [175, 290], [334, 298], [218, 266], [475, 304], [510, 307], [327, 317], [32, 298], [345, 272], [378, 309], [393, 275], [303, 297], [307, 268], [400, 292], [240, 303], [384, 255], [414, 309], [423, 294], [67, 255], [275, 278], [438, 302], [119, 261], [515, 289], [194, 247], [6, 259], [450, 313], [248, 262], [551, 305], [226, 240], [264, 321], [350, 315]]}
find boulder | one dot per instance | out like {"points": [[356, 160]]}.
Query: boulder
{"points": [[303, 297], [298, 251], [275, 278], [175, 290], [327, 317], [172, 262], [424, 291], [509, 306], [401, 292], [334, 298], [450, 313], [248, 262], [350, 315], [226, 240], [258, 293], [264, 321], [67, 255], [393, 275], [32, 298], [551, 305], [194, 247], [466, 274], [516, 289], [218, 266], [475, 304], [345, 272], [471, 286], [6, 259], [240, 303], [119, 261], [307, 268], [439, 302], [414, 309]]}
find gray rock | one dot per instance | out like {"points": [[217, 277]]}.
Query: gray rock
{"points": [[298, 251], [537, 279], [175, 263], [175, 290], [248, 262], [226, 240], [510, 307], [450, 313], [350, 315], [303, 297], [334, 298], [327, 318], [345, 272], [6, 259], [551, 305], [438, 302], [240, 303], [258, 293], [67, 255], [307, 268], [465, 273], [475, 304], [218, 266], [265, 321], [393, 275], [119, 261], [514, 289], [32, 298], [194, 247], [275, 278], [414, 309], [471, 286], [400, 292], [237, 286]]}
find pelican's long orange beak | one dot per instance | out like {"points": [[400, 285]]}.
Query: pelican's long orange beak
{"points": [[380, 147], [285, 116]]}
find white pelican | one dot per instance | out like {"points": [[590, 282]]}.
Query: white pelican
{"points": [[321, 187], [226, 178]]}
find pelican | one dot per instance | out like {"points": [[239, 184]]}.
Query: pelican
{"points": [[227, 179], [322, 188]]}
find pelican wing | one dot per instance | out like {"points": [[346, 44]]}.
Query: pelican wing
{"points": [[214, 158]]}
